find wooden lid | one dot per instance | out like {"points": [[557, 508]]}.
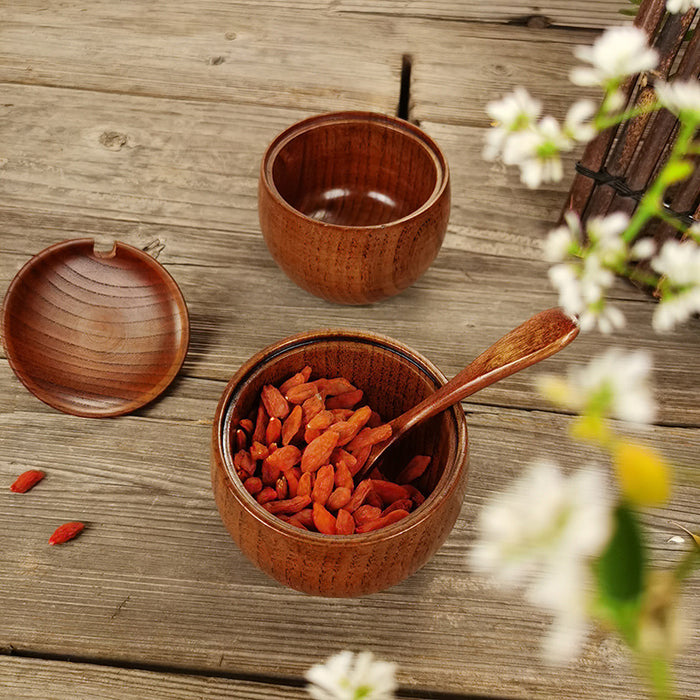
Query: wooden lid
{"points": [[94, 333]]}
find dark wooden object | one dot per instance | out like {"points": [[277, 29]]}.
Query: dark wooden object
{"points": [[533, 341], [394, 378], [635, 151], [354, 205], [92, 333]]}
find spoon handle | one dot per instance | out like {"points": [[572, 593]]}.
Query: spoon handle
{"points": [[539, 337]]}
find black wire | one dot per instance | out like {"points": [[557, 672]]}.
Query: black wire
{"points": [[602, 177]]}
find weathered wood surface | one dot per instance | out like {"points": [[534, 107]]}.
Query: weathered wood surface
{"points": [[232, 55], [155, 577], [569, 13], [120, 121], [36, 679], [232, 314]]}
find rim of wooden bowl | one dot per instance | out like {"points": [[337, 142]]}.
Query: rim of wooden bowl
{"points": [[448, 482], [319, 120], [139, 258]]}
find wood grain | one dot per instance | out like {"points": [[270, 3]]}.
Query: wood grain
{"points": [[233, 54], [576, 13], [94, 333], [121, 121], [393, 378], [163, 609], [228, 327], [38, 679], [338, 213]]}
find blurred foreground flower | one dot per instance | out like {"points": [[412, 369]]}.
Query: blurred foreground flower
{"points": [[643, 474], [615, 384], [619, 52], [679, 265], [540, 533], [347, 676], [584, 274], [577, 555], [678, 6], [680, 97]]}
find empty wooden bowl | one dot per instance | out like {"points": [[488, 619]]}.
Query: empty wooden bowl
{"points": [[354, 205], [394, 378], [92, 333]]}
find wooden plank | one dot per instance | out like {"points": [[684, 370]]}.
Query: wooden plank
{"points": [[38, 679], [466, 70], [568, 13], [241, 53], [155, 579], [60, 155], [226, 278], [209, 51]]}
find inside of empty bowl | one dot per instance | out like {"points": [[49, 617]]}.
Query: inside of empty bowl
{"points": [[355, 173]]}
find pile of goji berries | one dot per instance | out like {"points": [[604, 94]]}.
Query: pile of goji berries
{"points": [[299, 451]]}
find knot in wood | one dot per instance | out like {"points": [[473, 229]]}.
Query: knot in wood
{"points": [[113, 140]]}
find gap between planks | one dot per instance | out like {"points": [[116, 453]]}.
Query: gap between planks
{"points": [[193, 672]]}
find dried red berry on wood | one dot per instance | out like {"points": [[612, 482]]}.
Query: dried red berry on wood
{"points": [[27, 480], [66, 532]]}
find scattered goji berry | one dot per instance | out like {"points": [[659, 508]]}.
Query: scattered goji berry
{"points": [[27, 480], [66, 532]]}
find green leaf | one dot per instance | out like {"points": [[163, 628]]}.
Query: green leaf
{"points": [[621, 567], [621, 574]]}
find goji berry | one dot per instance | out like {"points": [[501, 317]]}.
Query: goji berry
{"points": [[66, 532], [27, 480]]}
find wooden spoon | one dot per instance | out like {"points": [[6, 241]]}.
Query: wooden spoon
{"points": [[541, 336]]}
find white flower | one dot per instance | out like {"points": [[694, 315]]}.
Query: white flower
{"points": [[541, 532], [560, 240], [674, 310], [582, 282], [581, 293], [564, 278], [346, 676], [515, 112], [537, 152], [643, 249], [594, 280], [606, 318], [616, 54], [681, 97], [615, 383], [679, 262], [680, 6], [577, 125], [605, 236]]}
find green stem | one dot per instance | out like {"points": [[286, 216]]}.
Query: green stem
{"points": [[646, 278], [651, 203], [671, 220], [657, 671], [604, 121]]}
